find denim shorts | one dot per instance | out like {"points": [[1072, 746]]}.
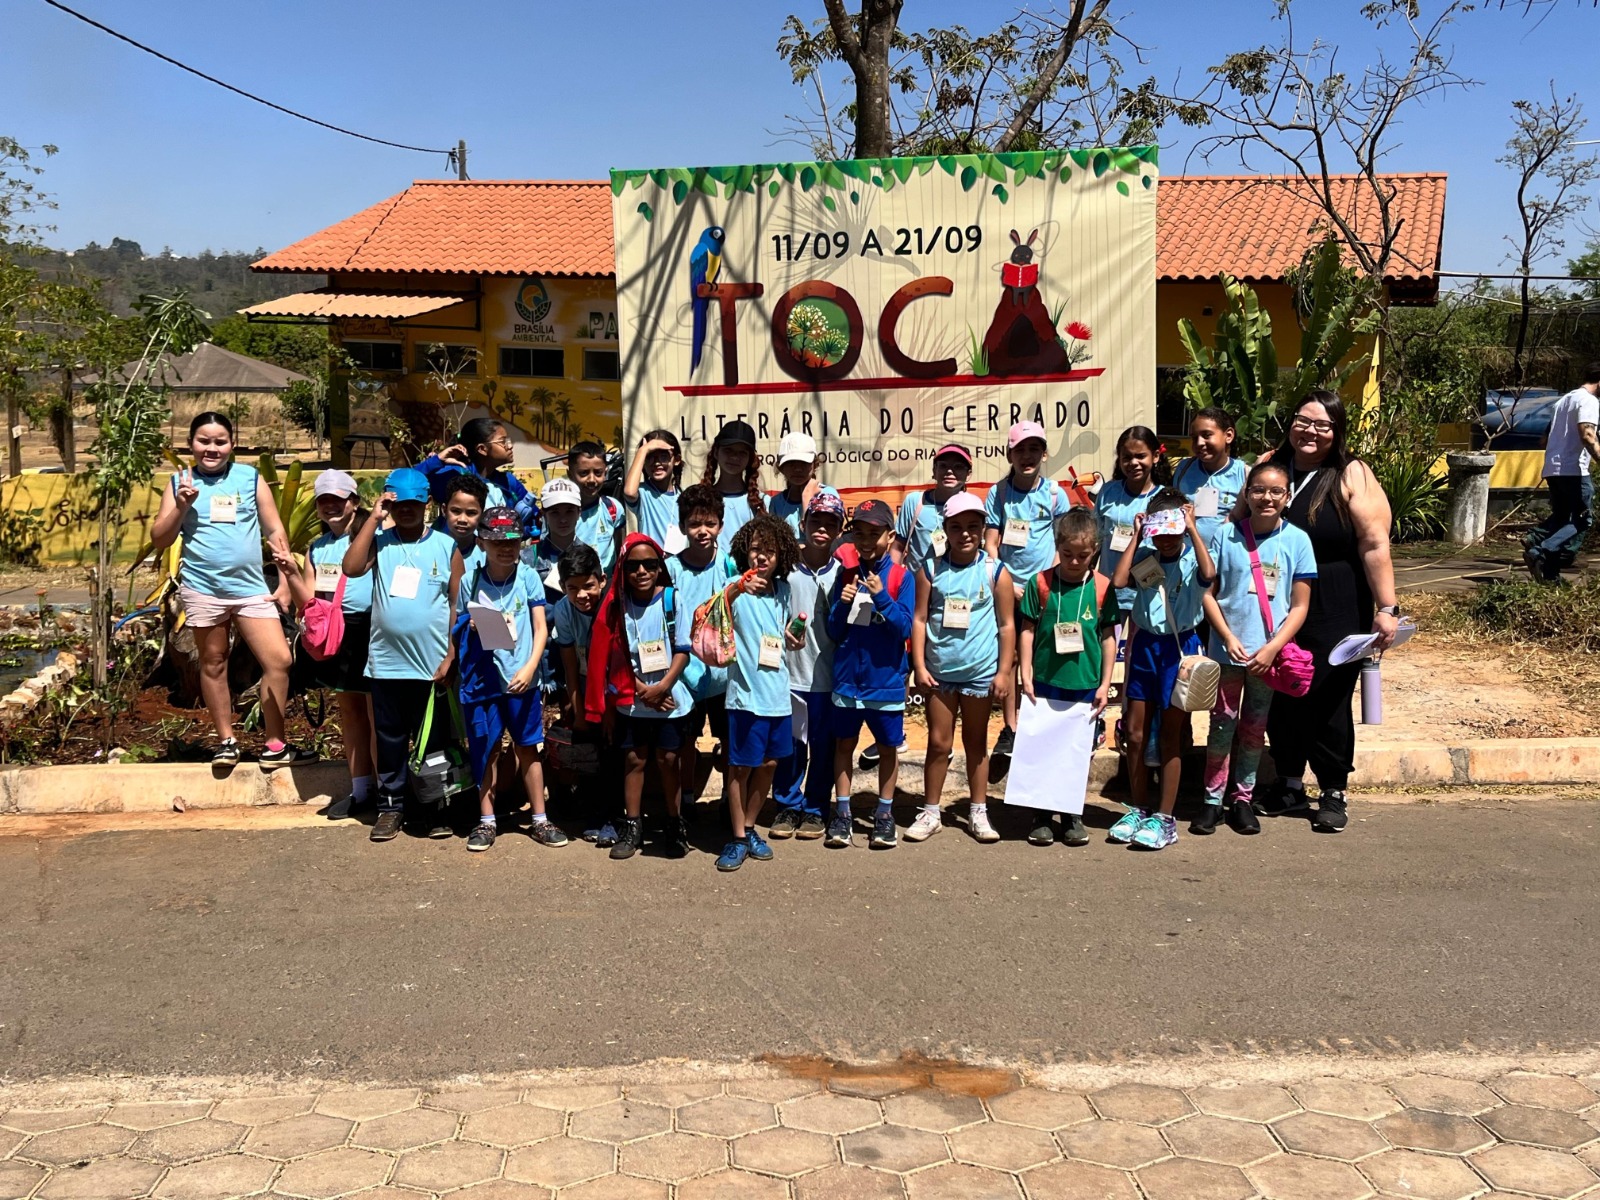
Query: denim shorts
{"points": [[961, 689]]}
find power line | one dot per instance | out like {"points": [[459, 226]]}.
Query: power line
{"points": [[166, 58]]}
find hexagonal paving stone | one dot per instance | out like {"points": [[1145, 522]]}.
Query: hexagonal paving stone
{"points": [[10, 1139], [1113, 1144], [294, 1137], [772, 1091], [872, 1087], [472, 1100], [572, 1096], [1538, 1172], [1297, 1177], [1190, 1179], [673, 1157], [1004, 1147], [673, 1095], [621, 1121], [1077, 1181], [406, 1130], [560, 1162], [1443, 1133], [1221, 1140], [1245, 1102], [1422, 1176], [452, 1165], [513, 1125], [43, 1120], [1539, 1127], [848, 1183], [155, 1115], [617, 1187], [1041, 1108], [830, 1114], [1142, 1103], [1345, 1098], [62, 1146], [216, 1179], [366, 1104], [727, 1116], [499, 1189], [894, 1148], [1328, 1137], [108, 1179], [333, 1173], [1440, 1093], [937, 1112], [956, 1181], [190, 1140], [733, 1185], [786, 1152], [1544, 1091], [261, 1110], [18, 1179]]}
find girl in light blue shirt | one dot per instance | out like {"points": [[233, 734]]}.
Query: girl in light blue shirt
{"points": [[650, 492], [1212, 480]]}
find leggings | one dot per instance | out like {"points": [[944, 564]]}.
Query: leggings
{"points": [[1318, 728], [1238, 732]]}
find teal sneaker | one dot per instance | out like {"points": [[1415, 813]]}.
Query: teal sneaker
{"points": [[733, 856], [757, 846], [1127, 825], [1156, 832]]}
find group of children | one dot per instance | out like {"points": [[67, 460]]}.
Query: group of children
{"points": [[1016, 599]]}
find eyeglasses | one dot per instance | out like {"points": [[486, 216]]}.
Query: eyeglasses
{"points": [[499, 441], [1314, 426], [1266, 493], [649, 564]]}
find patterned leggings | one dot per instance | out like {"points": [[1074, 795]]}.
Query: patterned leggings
{"points": [[1238, 721]]}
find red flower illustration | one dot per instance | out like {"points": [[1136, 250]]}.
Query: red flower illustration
{"points": [[1078, 331]]}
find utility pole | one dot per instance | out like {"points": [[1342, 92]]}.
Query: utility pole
{"points": [[461, 160]]}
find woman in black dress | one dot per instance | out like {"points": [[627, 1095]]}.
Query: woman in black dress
{"points": [[1341, 506]]}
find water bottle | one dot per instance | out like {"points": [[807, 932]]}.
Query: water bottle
{"points": [[797, 628], [1371, 693]]}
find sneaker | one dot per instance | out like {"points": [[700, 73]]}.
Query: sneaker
{"points": [[1243, 818], [1331, 815], [841, 831], [1156, 832], [339, 809], [1042, 834], [978, 825], [1206, 823], [226, 754], [387, 826], [605, 836], [883, 833], [439, 829], [733, 855], [811, 828], [1005, 744], [925, 826], [675, 838], [482, 836], [629, 836], [785, 824], [1127, 825], [547, 833], [1280, 799], [289, 756], [868, 761], [1073, 832], [759, 850]]}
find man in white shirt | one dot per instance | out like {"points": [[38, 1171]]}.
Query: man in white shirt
{"points": [[1569, 448]]}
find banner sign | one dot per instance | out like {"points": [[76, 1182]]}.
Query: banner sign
{"points": [[889, 306]]}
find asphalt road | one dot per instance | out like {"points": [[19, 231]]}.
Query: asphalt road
{"points": [[1445, 926]]}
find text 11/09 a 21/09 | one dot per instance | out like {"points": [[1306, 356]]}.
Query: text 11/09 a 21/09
{"points": [[951, 239]]}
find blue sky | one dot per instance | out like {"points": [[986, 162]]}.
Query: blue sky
{"points": [[561, 90]]}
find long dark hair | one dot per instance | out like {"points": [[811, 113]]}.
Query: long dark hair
{"points": [[1327, 480], [1160, 470], [667, 436], [752, 474]]}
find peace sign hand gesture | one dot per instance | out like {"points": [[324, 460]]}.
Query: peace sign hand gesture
{"points": [[186, 493]]}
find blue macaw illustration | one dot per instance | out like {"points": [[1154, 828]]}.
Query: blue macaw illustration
{"points": [[705, 262]]}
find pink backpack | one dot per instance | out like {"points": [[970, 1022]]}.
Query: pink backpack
{"points": [[324, 623]]}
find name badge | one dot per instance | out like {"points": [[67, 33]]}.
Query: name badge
{"points": [[1269, 576], [406, 581], [224, 510], [957, 613], [861, 608], [1069, 637], [1017, 531], [1205, 502], [939, 543], [771, 650], [552, 579], [328, 576], [1147, 572], [1121, 536], [653, 657]]}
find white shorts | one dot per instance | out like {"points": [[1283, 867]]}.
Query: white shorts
{"points": [[206, 612]]}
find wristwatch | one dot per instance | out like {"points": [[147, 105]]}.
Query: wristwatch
{"points": [[1389, 610]]}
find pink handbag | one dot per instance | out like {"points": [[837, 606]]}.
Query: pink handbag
{"points": [[324, 624], [1291, 672]]}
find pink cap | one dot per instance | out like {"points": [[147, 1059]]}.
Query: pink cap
{"points": [[1023, 430], [962, 502]]}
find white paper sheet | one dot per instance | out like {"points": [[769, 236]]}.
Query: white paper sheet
{"points": [[1050, 765], [800, 719], [493, 630]]}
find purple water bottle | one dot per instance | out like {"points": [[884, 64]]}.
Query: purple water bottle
{"points": [[1371, 693]]}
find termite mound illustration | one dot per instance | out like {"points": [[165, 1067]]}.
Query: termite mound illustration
{"points": [[1021, 339]]}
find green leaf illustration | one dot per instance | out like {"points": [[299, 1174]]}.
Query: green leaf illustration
{"points": [[902, 168], [648, 213], [948, 163], [1102, 163], [1066, 174], [855, 197], [1148, 182], [808, 176], [1122, 186], [827, 203], [999, 189], [772, 189], [680, 190], [617, 184], [1081, 157], [969, 176], [994, 168], [659, 177]]}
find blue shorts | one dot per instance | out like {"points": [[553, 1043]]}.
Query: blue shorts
{"points": [[522, 716], [650, 733], [1153, 664], [888, 727], [754, 741]]}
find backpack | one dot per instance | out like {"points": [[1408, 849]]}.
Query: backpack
{"points": [[1102, 585]]}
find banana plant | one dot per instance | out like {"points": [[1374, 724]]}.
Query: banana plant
{"points": [[1239, 371]]}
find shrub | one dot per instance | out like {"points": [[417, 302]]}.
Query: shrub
{"points": [[1563, 618]]}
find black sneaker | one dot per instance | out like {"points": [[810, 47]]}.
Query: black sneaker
{"points": [[547, 833], [811, 828], [869, 758], [1243, 818], [1073, 832], [884, 835], [226, 754], [482, 836], [1206, 822], [785, 825], [1280, 799], [387, 826], [630, 835], [439, 829], [1331, 814], [1043, 833], [675, 838], [1005, 744], [289, 756], [841, 830]]}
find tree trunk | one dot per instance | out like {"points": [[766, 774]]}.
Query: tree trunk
{"points": [[13, 419], [68, 443], [100, 598]]}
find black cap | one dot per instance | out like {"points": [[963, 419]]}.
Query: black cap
{"points": [[873, 512], [735, 433]]}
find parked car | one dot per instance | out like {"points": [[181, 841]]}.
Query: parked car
{"points": [[1517, 423]]}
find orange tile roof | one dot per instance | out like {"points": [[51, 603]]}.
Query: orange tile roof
{"points": [[1256, 227], [328, 302], [488, 227]]}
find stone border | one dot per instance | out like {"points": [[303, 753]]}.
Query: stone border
{"points": [[25, 697]]}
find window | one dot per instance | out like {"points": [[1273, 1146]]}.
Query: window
{"points": [[602, 364], [539, 364], [376, 356], [1172, 417], [447, 360]]}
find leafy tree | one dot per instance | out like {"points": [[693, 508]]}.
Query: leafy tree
{"points": [[1587, 264], [300, 348]]}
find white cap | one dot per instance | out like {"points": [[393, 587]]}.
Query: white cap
{"points": [[335, 483], [797, 447], [560, 491]]}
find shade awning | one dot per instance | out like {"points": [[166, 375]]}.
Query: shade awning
{"points": [[328, 303]]}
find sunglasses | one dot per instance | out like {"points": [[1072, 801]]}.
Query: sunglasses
{"points": [[649, 564]]}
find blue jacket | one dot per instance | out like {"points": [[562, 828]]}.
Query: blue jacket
{"points": [[438, 472], [869, 661]]}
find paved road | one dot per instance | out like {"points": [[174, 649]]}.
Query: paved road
{"points": [[307, 950]]}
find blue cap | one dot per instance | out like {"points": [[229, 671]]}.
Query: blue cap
{"points": [[407, 484]]}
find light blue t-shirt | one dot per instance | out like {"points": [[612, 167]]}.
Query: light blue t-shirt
{"points": [[328, 551], [811, 667], [517, 597], [752, 688], [597, 527], [648, 623], [919, 519], [736, 514], [654, 512], [1190, 477], [410, 635], [223, 558], [542, 557], [569, 627], [1039, 507], [1289, 550], [1114, 510], [788, 511], [969, 655], [1183, 585], [694, 586]]}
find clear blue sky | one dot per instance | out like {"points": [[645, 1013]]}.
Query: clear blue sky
{"points": [[558, 90]]}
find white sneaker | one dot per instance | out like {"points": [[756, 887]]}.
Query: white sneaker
{"points": [[981, 829], [924, 827]]}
